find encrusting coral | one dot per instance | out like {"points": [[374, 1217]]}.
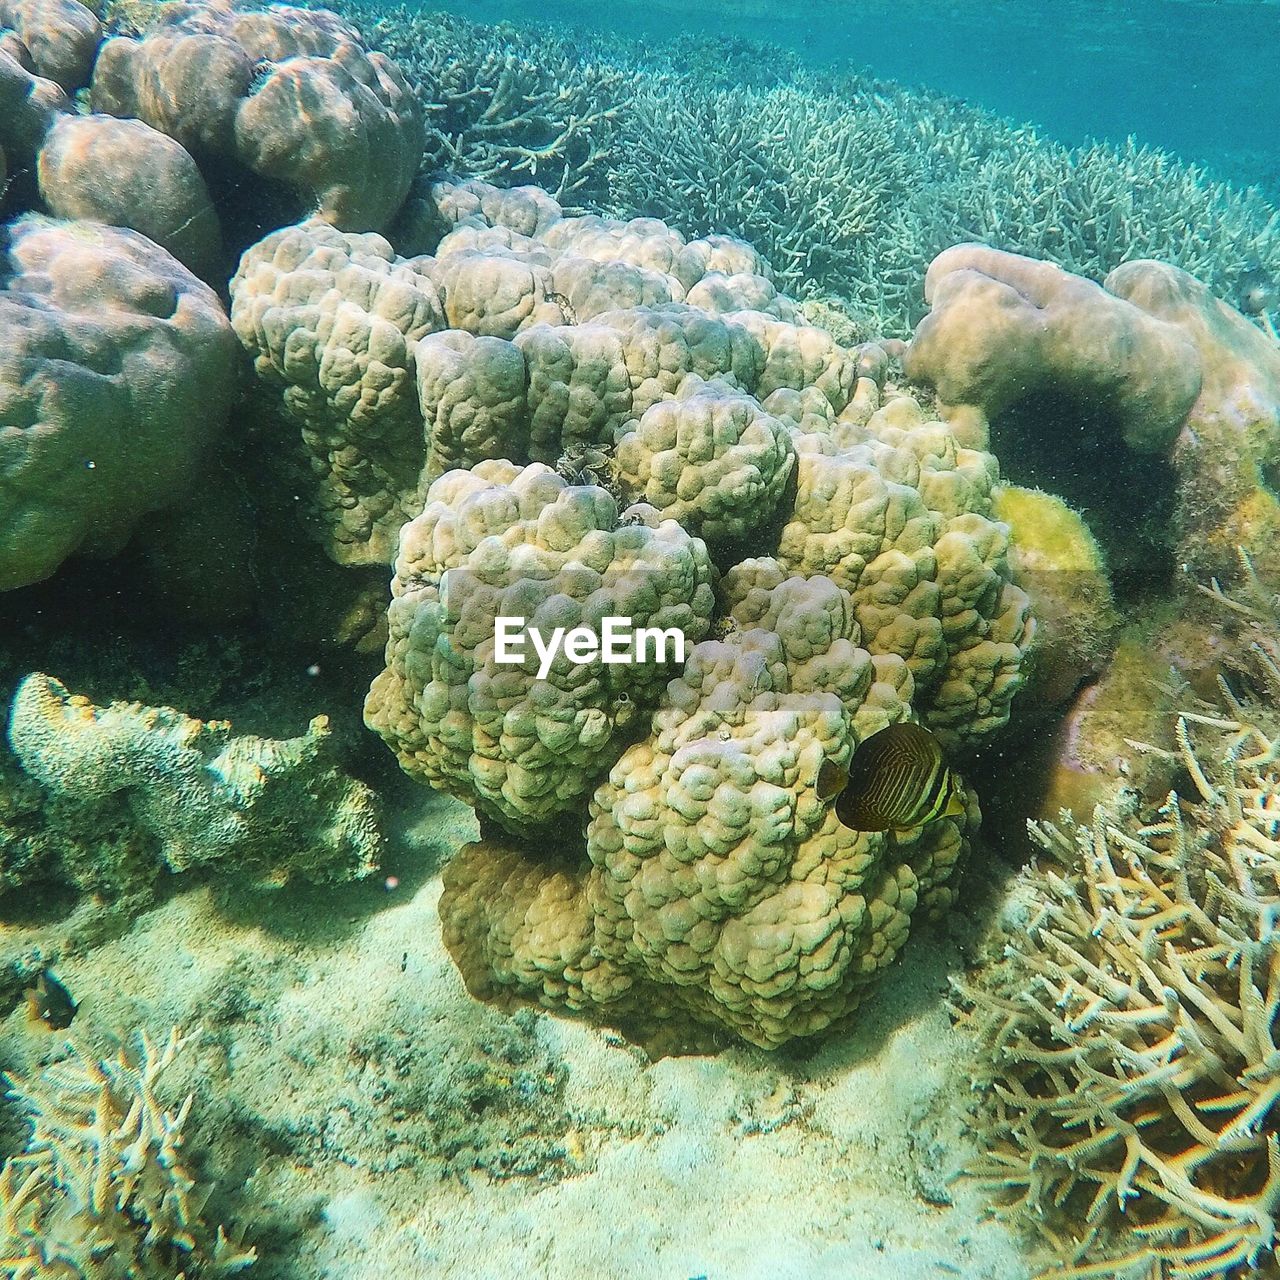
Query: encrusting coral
{"points": [[132, 789], [103, 1191], [1127, 1063]]}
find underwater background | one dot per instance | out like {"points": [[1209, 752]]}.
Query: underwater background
{"points": [[916, 362]]}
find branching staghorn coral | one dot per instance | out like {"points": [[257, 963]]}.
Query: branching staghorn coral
{"points": [[503, 104], [848, 185], [102, 1190], [1129, 1065]]}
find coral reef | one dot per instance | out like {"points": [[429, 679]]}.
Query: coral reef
{"points": [[849, 185], [103, 1190], [523, 744], [150, 355], [720, 887], [128, 790], [1126, 1059], [713, 884], [527, 336]]}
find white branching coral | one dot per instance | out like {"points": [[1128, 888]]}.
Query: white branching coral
{"points": [[102, 1189], [1129, 1067]]}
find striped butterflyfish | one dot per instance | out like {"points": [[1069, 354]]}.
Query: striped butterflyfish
{"points": [[897, 779]]}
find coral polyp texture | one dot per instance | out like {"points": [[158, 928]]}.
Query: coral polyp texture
{"points": [[1127, 1064], [711, 459], [331, 320], [535, 345], [700, 877], [1149, 362], [103, 1190], [131, 790], [718, 886], [520, 743], [116, 377], [290, 95]]}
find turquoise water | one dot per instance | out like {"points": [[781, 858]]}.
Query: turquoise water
{"points": [[1199, 79]]}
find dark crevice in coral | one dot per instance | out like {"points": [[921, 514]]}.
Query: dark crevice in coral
{"points": [[1073, 449]]}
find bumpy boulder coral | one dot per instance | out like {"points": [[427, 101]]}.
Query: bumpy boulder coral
{"points": [[524, 745], [1148, 362], [532, 347], [711, 459], [473, 395], [116, 373], [290, 94], [897, 513], [1004, 327], [720, 885], [126, 174], [331, 319], [104, 1188], [705, 882], [134, 789], [60, 36], [29, 105]]}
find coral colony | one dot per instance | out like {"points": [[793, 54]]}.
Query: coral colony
{"points": [[284, 319]]}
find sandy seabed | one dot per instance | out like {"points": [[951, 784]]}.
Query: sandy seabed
{"points": [[342, 1069]]}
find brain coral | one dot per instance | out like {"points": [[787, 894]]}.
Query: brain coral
{"points": [[289, 94], [103, 1190], [116, 372], [522, 745], [132, 789], [719, 885]]}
